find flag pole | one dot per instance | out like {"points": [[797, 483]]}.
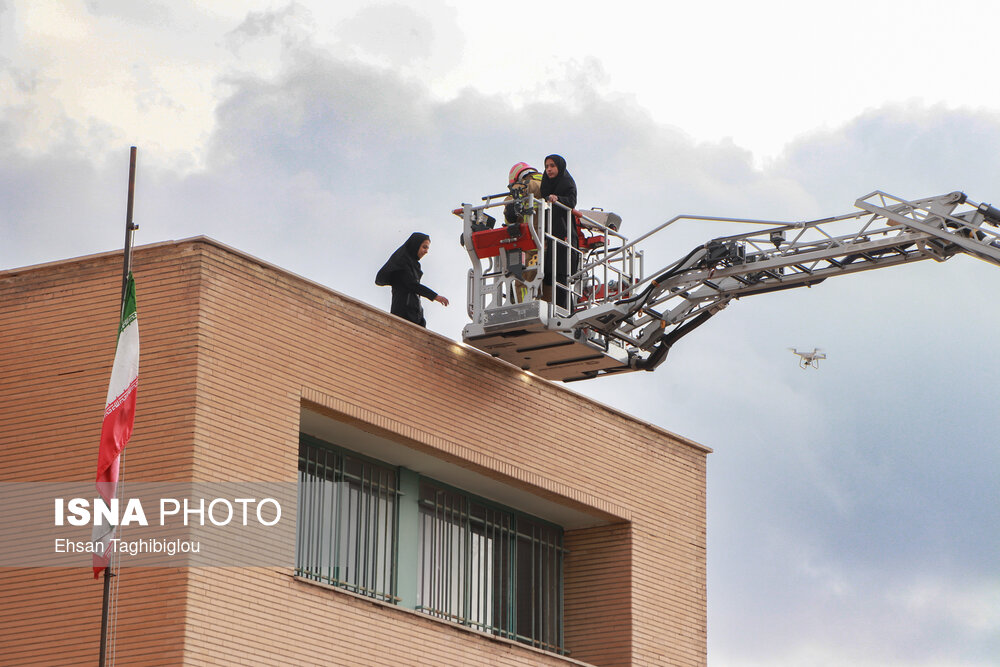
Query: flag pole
{"points": [[130, 227]]}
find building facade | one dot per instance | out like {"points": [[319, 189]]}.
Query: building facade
{"points": [[449, 508]]}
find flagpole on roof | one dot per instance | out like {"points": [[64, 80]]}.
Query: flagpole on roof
{"points": [[130, 228]]}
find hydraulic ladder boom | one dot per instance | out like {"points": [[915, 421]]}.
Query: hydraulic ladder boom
{"points": [[618, 320]]}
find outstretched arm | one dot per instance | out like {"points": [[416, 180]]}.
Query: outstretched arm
{"points": [[410, 284]]}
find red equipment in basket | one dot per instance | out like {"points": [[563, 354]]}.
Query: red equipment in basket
{"points": [[489, 242], [585, 242]]}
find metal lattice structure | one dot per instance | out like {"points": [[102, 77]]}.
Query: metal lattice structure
{"points": [[618, 319]]}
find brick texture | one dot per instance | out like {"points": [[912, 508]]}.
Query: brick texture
{"points": [[232, 348]]}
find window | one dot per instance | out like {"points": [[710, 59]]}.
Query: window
{"points": [[346, 521], [431, 548], [489, 568]]}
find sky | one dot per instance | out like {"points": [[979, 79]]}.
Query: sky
{"points": [[852, 509]]}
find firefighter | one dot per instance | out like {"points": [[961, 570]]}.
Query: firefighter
{"points": [[523, 180]]}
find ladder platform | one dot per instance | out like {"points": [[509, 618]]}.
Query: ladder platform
{"points": [[522, 335]]}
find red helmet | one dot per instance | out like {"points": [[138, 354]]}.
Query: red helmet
{"points": [[518, 170]]}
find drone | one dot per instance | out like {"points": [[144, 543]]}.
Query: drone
{"points": [[809, 358]]}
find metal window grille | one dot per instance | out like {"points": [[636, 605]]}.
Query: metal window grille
{"points": [[347, 522], [490, 568]]}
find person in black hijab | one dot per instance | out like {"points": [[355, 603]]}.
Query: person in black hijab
{"points": [[559, 186], [402, 271]]}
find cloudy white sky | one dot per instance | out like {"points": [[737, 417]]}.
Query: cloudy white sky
{"points": [[853, 509]]}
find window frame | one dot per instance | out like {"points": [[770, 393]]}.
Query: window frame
{"points": [[512, 625], [319, 558]]}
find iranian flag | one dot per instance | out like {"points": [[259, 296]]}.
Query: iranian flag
{"points": [[119, 416]]}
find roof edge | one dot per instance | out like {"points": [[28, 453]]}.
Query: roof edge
{"points": [[207, 240]]}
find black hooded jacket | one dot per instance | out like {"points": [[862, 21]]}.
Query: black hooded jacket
{"points": [[402, 271], [564, 187]]}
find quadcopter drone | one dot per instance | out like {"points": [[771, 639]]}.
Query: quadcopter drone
{"points": [[807, 359]]}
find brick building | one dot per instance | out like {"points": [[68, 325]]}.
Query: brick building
{"points": [[452, 509]]}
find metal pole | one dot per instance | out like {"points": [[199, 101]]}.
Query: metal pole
{"points": [[104, 615], [126, 269], [129, 226]]}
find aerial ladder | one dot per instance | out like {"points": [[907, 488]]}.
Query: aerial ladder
{"points": [[619, 318]]}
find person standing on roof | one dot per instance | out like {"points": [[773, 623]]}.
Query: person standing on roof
{"points": [[559, 186], [403, 273]]}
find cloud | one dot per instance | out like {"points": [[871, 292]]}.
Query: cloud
{"points": [[911, 150], [56, 203], [291, 24], [145, 13], [395, 34]]}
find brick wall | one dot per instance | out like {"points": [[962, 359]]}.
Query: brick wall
{"points": [[231, 350]]}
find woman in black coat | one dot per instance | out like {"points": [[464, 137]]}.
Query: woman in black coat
{"points": [[559, 186], [402, 271]]}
